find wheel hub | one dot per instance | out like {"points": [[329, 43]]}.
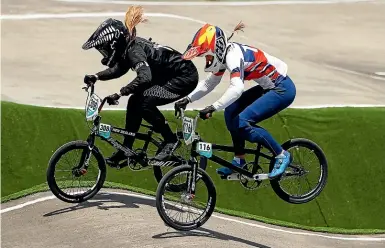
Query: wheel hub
{"points": [[187, 197], [79, 172]]}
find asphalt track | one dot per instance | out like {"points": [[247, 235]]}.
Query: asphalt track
{"points": [[333, 52], [121, 219]]}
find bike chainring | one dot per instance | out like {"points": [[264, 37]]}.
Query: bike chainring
{"points": [[251, 184], [257, 184], [133, 164]]}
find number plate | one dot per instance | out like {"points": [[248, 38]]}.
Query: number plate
{"points": [[205, 149], [92, 107], [104, 130], [188, 130]]}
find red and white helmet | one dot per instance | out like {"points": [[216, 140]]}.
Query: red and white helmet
{"points": [[209, 41]]}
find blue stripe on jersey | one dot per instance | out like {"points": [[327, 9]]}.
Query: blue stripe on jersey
{"points": [[242, 68], [248, 55]]}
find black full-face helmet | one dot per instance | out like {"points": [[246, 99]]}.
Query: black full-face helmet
{"points": [[110, 39]]}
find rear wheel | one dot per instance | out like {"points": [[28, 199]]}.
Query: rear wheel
{"points": [[307, 174], [183, 210], [68, 178]]}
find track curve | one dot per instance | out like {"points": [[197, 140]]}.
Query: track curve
{"points": [[123, 219]]}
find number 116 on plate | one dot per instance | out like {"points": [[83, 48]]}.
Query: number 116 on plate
{"points": [[205, 149]]}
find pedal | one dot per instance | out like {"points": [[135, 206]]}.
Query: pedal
{"points": [[261, 176], [231, 177], [234, 176]]}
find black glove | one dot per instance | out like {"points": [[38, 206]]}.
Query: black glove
{"points": [[181, 104], [113, 99], [206, 112], [125, 91], [90, 79]]}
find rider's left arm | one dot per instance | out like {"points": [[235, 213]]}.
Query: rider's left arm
{"points": [[206, 86], [235, 65], [112, 73], [143, 78]]}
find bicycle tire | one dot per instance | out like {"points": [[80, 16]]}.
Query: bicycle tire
{"points": [[211, 198], [75, 145], [321, 183], [158, 173]]}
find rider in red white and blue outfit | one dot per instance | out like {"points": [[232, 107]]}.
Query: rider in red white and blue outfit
{"points": [[274, 91]]}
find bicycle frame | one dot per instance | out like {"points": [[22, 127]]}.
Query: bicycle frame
{"points": [[229, 165], [196, 140], [147, 137], [104, 131]]}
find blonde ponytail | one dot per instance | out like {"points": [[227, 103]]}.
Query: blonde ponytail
{"points": [[134, 16], [237, 28]]}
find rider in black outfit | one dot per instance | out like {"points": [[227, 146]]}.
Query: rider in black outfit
{"points": [[162, 77]]}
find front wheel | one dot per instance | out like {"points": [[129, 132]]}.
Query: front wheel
{"points": [[185, 210], [307, 174], [68, 176], [183, 152]]}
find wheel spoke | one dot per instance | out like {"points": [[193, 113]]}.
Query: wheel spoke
{"points": [[184, 209], [304, 169], [71, 182]]}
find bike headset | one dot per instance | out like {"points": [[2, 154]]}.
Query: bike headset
{"points": [[111, 39]]}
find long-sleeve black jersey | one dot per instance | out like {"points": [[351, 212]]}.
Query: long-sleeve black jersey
{"points": [[152, 62]]}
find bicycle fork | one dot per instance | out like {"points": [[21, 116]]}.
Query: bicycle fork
{"points": [[86, 156], [192, 179]]}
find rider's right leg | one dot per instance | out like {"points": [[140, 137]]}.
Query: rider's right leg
{"points": [[133, 120], [160, 125], [231, 112], [263, 108], [145, 106], [168, 92]]}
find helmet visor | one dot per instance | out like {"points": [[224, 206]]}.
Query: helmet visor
{"points": [[193, 52]]}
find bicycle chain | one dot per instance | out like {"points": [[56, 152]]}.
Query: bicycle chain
{"points": [[283, 178]]}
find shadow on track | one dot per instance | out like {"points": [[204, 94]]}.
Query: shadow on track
{"points": [[106, 201], [204, 232]]}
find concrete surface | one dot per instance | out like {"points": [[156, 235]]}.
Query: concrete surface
{"points": [[121, 220]]}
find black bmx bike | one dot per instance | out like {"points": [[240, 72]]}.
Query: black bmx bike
{"points": [[190, 204], [84, 171]]}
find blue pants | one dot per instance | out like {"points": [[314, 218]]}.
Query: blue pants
{"points": [[256, 105]]}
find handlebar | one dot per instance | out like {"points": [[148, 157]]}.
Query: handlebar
{"points": [[92, 86], [181, 113], [181, 110], [102, 104]]}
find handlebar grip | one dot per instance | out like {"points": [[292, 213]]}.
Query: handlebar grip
{"points": [[181, 112], [102, 104], [92, 85]]}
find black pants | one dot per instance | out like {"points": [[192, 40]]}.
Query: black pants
{"points": [[144, 105]]}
